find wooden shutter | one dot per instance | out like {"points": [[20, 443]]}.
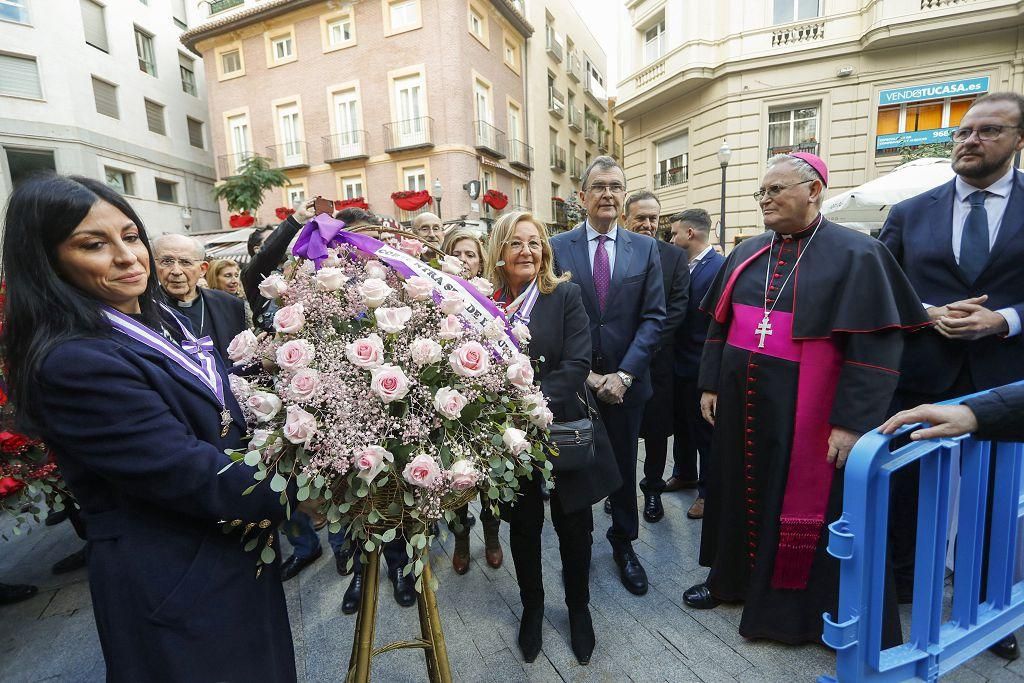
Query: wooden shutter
{"points": [[95, 27], [155, 117], [106, 98], [19, 76], [195, 133]]}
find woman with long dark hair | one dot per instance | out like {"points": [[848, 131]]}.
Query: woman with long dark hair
{"points": [[139, 413]]}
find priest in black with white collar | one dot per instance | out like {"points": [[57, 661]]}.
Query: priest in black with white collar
{"points": [[180, 262]]}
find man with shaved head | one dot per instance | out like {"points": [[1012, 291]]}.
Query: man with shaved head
{"points": [[180, 262]]}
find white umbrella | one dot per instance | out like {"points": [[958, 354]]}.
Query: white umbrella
{"points": [[867, 206]]}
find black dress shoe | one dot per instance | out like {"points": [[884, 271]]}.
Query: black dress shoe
{"points": [[341, 558], [653, 509], [1006, 648], [72, 562], [529, 632], [405, 587], [631, 572], [10, 594], [353, 594], [293, 565], [607, 506], [581, 634], [700, 597]]}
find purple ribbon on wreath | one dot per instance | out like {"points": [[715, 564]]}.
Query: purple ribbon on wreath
{"points": [[317, 235]]}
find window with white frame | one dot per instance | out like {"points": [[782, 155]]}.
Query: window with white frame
{"points": [[486, 134], [515, 122], [487, 181], [145, 51], [352, 187], [282, 48], [346, 118], [122, 181], [476, 23], [787, 11], [654, 42], [94, 24], [403, 14], [792, 129], [179, 14], [188, 74], [410, 110], [14, 10], [231, 62], [512, 54], [290, 135], [19, 76], [238, 136], [672, 160], [519, 196], [339, 31], [415, 178], [295, 195]]}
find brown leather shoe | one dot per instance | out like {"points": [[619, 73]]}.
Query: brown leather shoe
{"points": [[677, 484], [492, 547], [696, 510], [460, 558]]}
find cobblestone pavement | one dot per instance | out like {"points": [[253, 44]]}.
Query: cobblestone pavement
{"points": [[646, 639]]}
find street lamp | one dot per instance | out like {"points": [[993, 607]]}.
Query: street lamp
{"points": [[438, 191], [724, 153]]}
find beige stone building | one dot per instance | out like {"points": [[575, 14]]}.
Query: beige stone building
{"points": [[363, 99], [851, 80], [568, 103]]}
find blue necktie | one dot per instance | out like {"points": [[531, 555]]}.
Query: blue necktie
{"points": [[974, 242]]}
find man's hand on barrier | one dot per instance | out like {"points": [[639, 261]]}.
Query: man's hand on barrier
{"points": [[709, 406], [946, 421], [840, 443]]}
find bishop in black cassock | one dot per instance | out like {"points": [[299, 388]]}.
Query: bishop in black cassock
{"points": [[801, 358]]}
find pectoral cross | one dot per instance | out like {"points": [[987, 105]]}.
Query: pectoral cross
{"points": [[763, 329]]}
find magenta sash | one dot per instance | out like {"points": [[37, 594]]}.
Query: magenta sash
{"points": [[809, 481]]}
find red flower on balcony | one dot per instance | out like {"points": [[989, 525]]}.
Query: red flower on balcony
{"points": [[410, 200], [496, 199], [241, 220], [354, 203], [283, 212]]}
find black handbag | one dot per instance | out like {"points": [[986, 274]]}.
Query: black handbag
{"points": [[574, 441]]}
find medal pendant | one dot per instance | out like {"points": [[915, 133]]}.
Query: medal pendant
{"points": [[225, 421]]}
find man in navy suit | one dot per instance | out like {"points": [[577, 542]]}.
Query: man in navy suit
{"points": [[691, 230], [962, 247], [620, 275], [641, 213]]}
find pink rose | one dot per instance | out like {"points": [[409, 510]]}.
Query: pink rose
{"points": [[370, 461], [392, 320], [243, 347], [451, 303], [464, 475], [305, 384], [375, 270], [521, 333], [273, 286], [494, 329], [366, 353], [374, 291], [264, 404], [515, 440], [410, 246], [299, 426], [297, 353], [418, 288], [449, 402], [470, 360], [520, 372], [451, 327], [451, 265], [289, 319], [482, 285], [259, 439], [389, 382], [421, 471], [330, 278], [540, 415], [425, 351]]}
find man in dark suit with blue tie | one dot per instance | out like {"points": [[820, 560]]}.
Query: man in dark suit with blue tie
{"points": [[691, 230], [620, 275], [962, 247]]}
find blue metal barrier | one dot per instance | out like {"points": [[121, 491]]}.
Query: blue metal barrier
{"points": [[858, 539]]}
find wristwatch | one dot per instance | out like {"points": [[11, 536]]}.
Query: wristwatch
{"points": [[626, 378]]}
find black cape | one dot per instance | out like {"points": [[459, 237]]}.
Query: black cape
{"points": [[847, 288]]}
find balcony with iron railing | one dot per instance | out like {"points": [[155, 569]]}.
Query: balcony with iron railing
{"points": [[673, 176], [806, 146], [596, 90], [345, 146], [223, 5], [294, 154], [577, 168], [553, 44], [488, 139], [520, 155], [230, 165], [573, 66], [557, 158], [556, 102], [409, 134], [590, 134], [575, 118], [602, 142]]}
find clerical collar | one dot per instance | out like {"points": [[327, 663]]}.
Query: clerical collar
{"points": [[806, 232], [594, 234], [187, 304]]}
